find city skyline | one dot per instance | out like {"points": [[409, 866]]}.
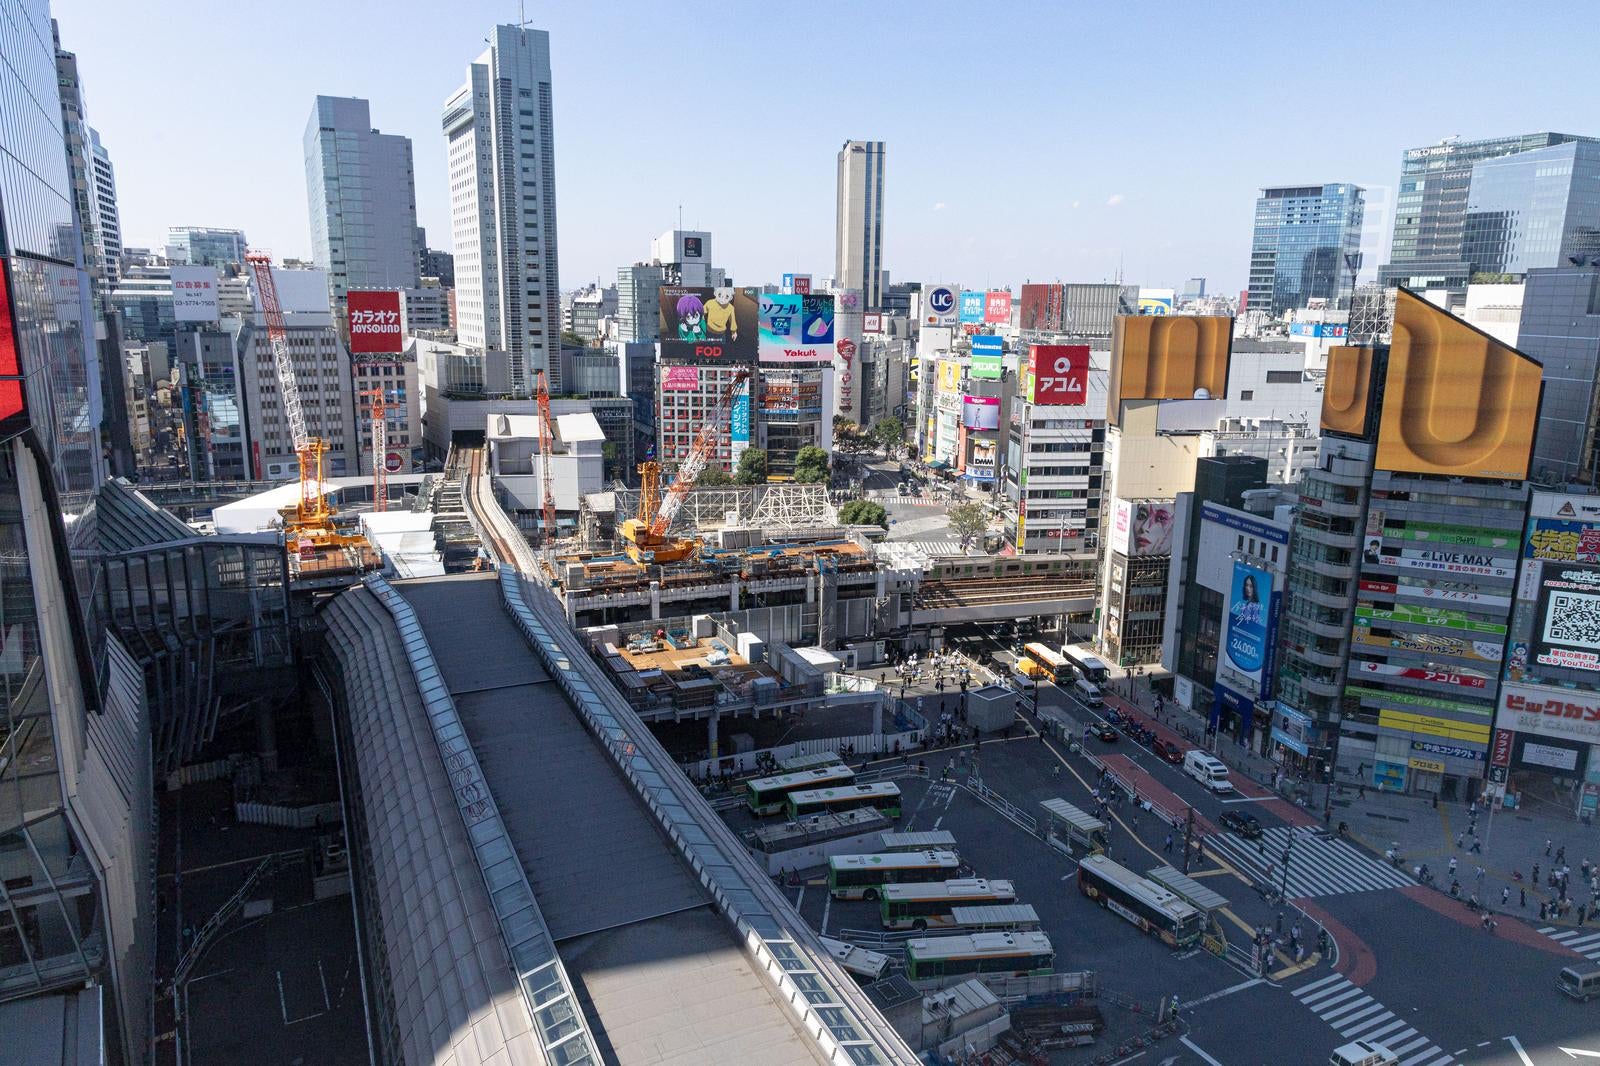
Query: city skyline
{"points": [[952, 210]]}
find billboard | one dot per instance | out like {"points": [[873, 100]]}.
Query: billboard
{"points": [[796, 284], [1456, 402], [971, 308], [1060, 374], [939, 306], [981, 463], [1152, 528], [997, 307], [987, 357], [1478, 564], [739, 428], [796, 329], [981, 413], [680, 378], [1167, 357], [1567, 620], [1044, 308], [1246, 638], [1347, 391], [709, 325], [1156, 301], [377, 322], [1566, 713], [194, 294], [1121, 524], [872, 322]]}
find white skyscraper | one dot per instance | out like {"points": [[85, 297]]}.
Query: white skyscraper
{"points": [[858, 241], [105, 205], [363, 199], [503, 206]]}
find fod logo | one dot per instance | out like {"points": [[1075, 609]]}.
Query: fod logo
{"points": [[942, 301]]}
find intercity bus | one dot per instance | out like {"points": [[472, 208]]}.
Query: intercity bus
{"points": [[767, 795], [884, 795], [930, 960], [1141, 901], [1089, 668], [1057, 667], [863, 876], [930, 905]]}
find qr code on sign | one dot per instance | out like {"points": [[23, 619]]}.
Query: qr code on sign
{"points": [[1573, 619]]}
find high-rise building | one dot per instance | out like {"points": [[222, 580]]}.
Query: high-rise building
{"points": [[81, 166], [638, 292], [207, 246], [76, 792], [1428, 248], [501, 144], [441, 265], [363, 199], [858, 242], [1560, 327], [108, 219], [1302, 235], [1533, 209]]}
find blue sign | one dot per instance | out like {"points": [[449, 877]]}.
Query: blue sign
{"points": [[941, 301], [987, 344], [971, 307], [1210, 512], [1238, 703], [1454, 751], [740, 428], [1247, 624]]}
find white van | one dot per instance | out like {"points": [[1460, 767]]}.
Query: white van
{"points": [[1207, 769], [1088, 693], [1363, 1053], [1581, 983]]}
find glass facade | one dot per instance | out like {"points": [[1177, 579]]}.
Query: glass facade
{"points": [[1302, 235], [203, 246], [1533, 209]]}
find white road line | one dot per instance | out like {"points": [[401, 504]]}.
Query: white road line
{"points": [[1517, 1047], [283, 1008], [1370, 1014], [1298, 992], [326, 1005], [937, 820], [1343, 1014], [1383, 1017], [1325, 1004], [1192, 1046], [1387, 1031], [1240, 987]]}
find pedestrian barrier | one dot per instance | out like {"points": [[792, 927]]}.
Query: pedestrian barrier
{"points": [[318, 814], [1004, 807]]}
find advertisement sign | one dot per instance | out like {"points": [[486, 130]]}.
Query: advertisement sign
{"points": [[1152, 529], [988, 357], [1121, 525], [1156, 301], [194, 295], [980, 464], [796, 284], [376, 322], [1443, 534], [1567, 621], [1443, 677], [845, 349], [1060, 374], [1567, 542], [939, 306], [971, 308], [796, 329], [1406, 614], [1451, 751], [1044, 308], [1316, 329], [1246, 636], [872, 322], [997, 307], [715, 325], [980, 412], [12, 401], [1550, 756], [680, 378], [1224, 516], [1565, 713], [739, 427], [1421, 589], [1500, 753], [1447, 562], [1483, 651]]}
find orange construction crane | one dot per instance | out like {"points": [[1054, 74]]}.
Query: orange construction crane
{"points": [[547, 444], [378, 410], [646, 533]]}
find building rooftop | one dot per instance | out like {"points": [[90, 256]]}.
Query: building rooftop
{"points": [[570, 429]]}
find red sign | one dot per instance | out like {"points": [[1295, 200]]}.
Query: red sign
{"points": [[11, 401], [1417, 674], [377, 324], [1382, 588], [802, 284], [1500, 754], [871, 322], [997, 306], [392, 462], [1060, 374]]}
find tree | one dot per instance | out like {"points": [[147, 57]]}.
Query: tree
{"points": [[891, 433], [811, 465], [864, 513], [713, 475], [969, 522], [752, 467]]}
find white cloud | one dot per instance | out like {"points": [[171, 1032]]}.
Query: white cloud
{"points": [[1116, 198], [1074, 203], [939, 206]]}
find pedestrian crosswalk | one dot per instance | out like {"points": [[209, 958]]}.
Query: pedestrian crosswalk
{"points": [[1355, 1015], [1318, 866], [1585, 942]]}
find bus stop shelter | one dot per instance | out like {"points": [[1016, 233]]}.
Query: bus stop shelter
{"points": [[1188, 889], [1071, 829]]}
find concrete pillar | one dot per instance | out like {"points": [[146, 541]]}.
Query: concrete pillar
{"points": [[733, 594], [655, 600], [711, 734], [877, 713]]}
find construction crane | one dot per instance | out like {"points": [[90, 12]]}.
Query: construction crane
{"points": [[646, 534], [312, 514], [547, 444], [378, 410]]}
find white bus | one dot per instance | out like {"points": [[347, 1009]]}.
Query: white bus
{"points": [[884, 795], [767, 795], [930, 961], [930, 905], [863, 876], [1144, 903], [1089, 668], [859, 961]]}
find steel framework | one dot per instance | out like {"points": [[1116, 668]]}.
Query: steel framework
{"points": [[781, 506]]}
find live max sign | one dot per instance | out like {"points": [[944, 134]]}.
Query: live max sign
{"points": [[1060, 374]]}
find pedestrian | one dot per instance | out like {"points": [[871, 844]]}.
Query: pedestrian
{"points": [[1477, 846], [1547, 844], [1544, 911], [1280, 913], [1168, 846], [1055, 771], [1460, 838], [1478, 873], [1361, 790], [1453, 866], [1505, 895], [1536, 873], [1561, 853], [1522, 898]]}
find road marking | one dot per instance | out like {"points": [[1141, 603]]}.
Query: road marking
{"points": [[1352, 1013], [1516, 1045], [1192, 1046], [1318, 866], [283, 1007], [1240, 987], [1251, 799], [1572, 1052], [938, 820], [1130, 1058], [326, 1005]]}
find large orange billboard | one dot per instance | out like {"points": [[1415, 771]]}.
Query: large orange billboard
{"points": [[1167, 357], [1456, 401], [1347, 391]]}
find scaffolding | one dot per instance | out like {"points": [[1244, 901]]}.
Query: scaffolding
{"points": [[1371, 315], [778, 507]]}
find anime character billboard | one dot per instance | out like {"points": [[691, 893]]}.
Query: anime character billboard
{"points": [[716, 325]]}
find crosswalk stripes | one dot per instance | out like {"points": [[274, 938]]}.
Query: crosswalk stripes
{"points": [[1318, 866], [1355, 1015], [1585, 942]]}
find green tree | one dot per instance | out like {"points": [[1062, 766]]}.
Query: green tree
{"points": [[891, 434], [864, 513], [752, 467], [811, 465], [713, 475], [968, 521]]}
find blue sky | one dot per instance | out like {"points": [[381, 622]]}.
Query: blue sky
{"points": [[1027, 141]]}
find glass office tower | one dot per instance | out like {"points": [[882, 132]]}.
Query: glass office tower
{"points": [[1302, 235], [1534, 209]]}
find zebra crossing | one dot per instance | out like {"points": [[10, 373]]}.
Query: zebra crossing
{"points": [[1318, 866], [1585, 942], [1355, 1015]]}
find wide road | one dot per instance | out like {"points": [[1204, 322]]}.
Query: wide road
{"points": [[1415, 969]]}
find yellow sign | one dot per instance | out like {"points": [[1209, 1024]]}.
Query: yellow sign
{"points": [[1167, 357], [1456, 401], [1426, 764], [1406, 722], [1346, 390], [949, 375]]}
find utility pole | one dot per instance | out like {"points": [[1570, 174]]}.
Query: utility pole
{"points": [[1288, 852], [1188, 836]]}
